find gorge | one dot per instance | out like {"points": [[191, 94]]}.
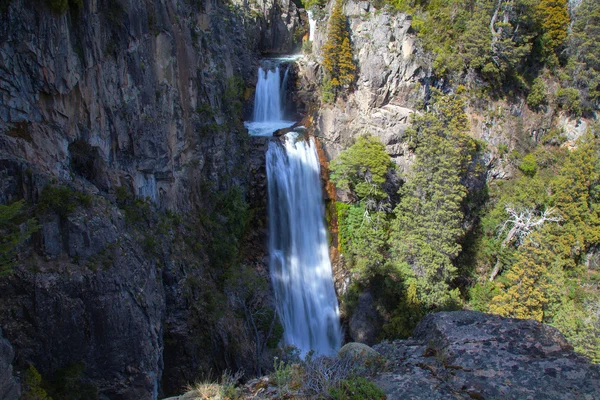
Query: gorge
{"points": [[155, 235]]}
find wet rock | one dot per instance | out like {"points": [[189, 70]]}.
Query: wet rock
{"points": [[470, 355]]}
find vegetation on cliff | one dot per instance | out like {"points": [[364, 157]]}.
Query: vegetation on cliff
{"points": [[525, 247]]}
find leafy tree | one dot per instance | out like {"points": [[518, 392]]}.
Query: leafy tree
{"points": [[15, 228], [523, 290], [362, 168], [529, 165], [537, 95], [428, 225], [554, 20], [583, 44], [32, 389], [337, 50]]}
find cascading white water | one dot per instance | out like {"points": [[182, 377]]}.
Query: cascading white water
{"points": [[298, 248], [268, 112], [312, 26]]}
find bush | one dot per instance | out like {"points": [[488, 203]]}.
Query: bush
{"points": [[529, 165], [12, 219], [537, 94], [62, 200], [327, 95], [356, 388], [568, 99]]}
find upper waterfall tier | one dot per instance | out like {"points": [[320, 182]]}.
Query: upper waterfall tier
{"points": [[269, 100]]}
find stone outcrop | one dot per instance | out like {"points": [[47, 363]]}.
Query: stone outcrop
{"points": [[9, 387], [470, 355], [388, 84]]}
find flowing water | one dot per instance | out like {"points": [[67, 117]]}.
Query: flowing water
{"points": [[298, 246], [268, 111]]}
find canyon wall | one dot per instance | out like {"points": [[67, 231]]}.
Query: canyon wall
{"points": [[121, 127]]}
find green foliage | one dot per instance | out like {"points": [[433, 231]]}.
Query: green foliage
{"points": [[529, 165], [70, 384], [337, 50], [362, 168], [568, 100], [537, 95], [523, 291], [583, 68], [15, 229], [363, 237], [554, 21], [32, 389], [481, 296], [62, 200], [310, 4], [356, 388], [233, 97], [327, 93], [428, 226]]}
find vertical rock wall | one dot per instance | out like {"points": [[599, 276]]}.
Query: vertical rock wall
{"points": [[129, 97]]}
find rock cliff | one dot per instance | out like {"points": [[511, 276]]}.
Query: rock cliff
{"points": [[9, 387], [391, 80], [120, 125]]}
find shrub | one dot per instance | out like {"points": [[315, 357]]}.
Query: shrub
{"points": [[62, 200], [529, 165], [327, 95], [537, 94], [356, 388], [32, 389], [12, 218], [568, 99]]}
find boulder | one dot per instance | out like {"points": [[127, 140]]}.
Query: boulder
{"points": [[471, 355]]}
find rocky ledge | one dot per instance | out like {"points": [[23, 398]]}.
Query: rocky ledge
{"points": [[470, 355]]}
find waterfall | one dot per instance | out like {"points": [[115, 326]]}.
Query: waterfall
{"points": [[267, 101], [298, 248], [312, 25], [268, 111]]}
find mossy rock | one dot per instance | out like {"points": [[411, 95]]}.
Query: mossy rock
{"points": [[367, 360]]}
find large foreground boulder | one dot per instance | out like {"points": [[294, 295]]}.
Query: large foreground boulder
{"points": [[470, 355]]}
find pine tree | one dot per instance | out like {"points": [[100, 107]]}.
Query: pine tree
{"points": [[554, 19], [428, 223], [337, 50]]}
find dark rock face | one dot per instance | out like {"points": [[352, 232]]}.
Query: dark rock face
{"points": [[133, 95], [470, 355], [9, 387], [364, 321]]}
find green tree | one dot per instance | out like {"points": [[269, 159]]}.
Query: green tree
{"points": [[15, 228], [554, 20], [337, 51], [428, 225], [537, 95], [583, 45], [32, 389], [523, 291], [362, 168]]}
